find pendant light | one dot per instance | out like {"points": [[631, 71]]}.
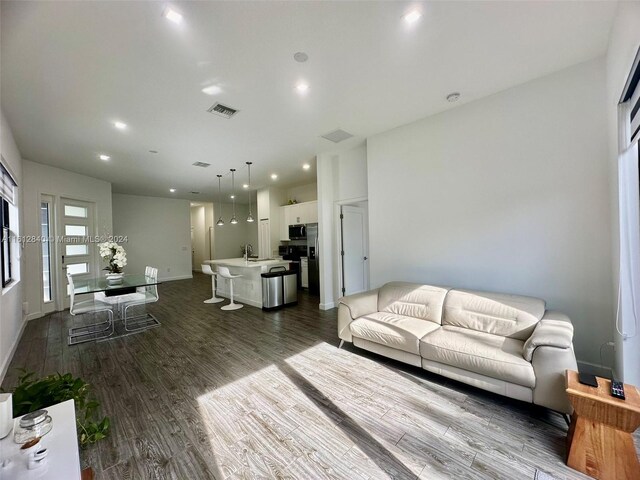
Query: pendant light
{"points": [[220, 221], [233, 220], [250, 217]]}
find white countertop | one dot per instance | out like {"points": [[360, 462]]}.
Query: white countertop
{"points": [[63, 460], [240, 262]]}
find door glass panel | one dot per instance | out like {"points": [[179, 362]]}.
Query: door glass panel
{"points": [[77, 268], [77, 250], [75, 211], [75, 230], [45, 219]]}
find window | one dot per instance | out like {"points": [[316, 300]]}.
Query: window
{"points": [[7, 192], [45, 230], [6, 244]]}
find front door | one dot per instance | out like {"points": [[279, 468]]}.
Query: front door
{"points": [[77, 253]]}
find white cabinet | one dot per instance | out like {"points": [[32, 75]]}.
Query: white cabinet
{"points": [[284, 223], [298, 214], [309, 212]]}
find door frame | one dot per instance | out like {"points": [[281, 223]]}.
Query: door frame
{"points": [[58, 283], [337, 263], [51, 305]]}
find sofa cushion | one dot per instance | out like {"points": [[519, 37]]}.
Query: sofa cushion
{"points": [[513, 316], [491, 355], [395, 331], [412, 300]]}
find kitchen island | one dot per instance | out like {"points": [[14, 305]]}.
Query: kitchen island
{"points": [[248, 288]]}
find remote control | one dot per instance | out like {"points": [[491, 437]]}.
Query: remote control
{"points": [[617, 389]]}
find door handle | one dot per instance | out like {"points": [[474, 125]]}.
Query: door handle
{"points": [[366, 258]]}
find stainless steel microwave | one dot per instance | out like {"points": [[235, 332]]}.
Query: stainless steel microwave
{"points": [[297, 232]]}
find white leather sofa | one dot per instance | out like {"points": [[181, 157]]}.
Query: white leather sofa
{"points": [[507, 344]]}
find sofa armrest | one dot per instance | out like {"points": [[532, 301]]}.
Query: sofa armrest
{"points": [[553, 330], [550, 351], [352, 307]]}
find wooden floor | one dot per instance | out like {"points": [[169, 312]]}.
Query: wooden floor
{"points": [[247, 394]]}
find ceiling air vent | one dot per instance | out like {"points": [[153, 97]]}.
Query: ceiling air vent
{"points": [[337, 136], [201, 164], [222, 110]]}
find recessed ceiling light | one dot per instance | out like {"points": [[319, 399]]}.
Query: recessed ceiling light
{"points": [[232, 196], [120, 125], [212, 90], [172, 190], [104, 157], [302, 87], [453, 97], [245, 185], [274, 176], [306, 166], [300, 57], [412, 17], [172, 15]]}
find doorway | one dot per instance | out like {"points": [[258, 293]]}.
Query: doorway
{"points": [[354, 248], [201, 234]]}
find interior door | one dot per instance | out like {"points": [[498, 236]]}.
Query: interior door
{"points": [[77, 254], [354, 255]]}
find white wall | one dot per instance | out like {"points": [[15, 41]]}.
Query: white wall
{"points": [[229, 238], [11, 317], [158, 231], [42, 179], [302, 193], [623, 45], [342, 179], [509, 193]]}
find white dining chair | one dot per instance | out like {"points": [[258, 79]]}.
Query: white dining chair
{"points": [[225, 273], [207, 270], [88, 332], [144, 295]]}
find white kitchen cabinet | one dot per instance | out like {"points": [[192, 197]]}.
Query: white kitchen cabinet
{"points": [[300, 213], [284, 223], [309, 212]]}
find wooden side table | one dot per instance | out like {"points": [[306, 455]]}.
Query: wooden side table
{"points": [[599, 442]]}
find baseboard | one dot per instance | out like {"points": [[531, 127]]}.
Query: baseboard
{"points": [[34, 316], [327, 306], [12, 351], [179, 277], [595, 369]]}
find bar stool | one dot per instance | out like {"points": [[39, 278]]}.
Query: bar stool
{"points": [[207, 270], [225, 273]]}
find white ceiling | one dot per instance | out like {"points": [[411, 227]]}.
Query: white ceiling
{"points": [[69, 69]]}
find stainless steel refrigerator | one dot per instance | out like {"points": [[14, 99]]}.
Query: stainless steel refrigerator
{"points": [[313, 255]]}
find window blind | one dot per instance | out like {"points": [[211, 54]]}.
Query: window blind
{"points": [[630, 100], [7, 184]]}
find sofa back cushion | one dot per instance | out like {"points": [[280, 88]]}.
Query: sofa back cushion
{"points": [[412, 300], [512, 316]]}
